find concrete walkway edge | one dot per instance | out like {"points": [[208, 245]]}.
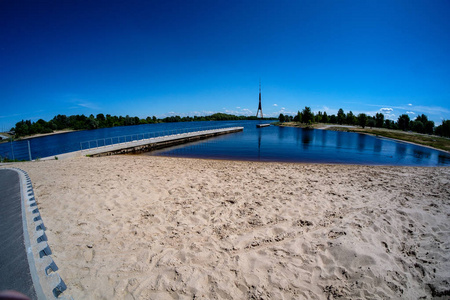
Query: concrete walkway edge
{"points": [[47, 282]]}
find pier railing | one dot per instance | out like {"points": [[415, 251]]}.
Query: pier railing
{"points": [[15, 151], [109, 141]]}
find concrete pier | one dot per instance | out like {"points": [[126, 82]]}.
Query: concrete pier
{"points": [[150, 144]]}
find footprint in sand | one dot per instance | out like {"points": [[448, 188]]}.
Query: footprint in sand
{"points": [[335, 234]]}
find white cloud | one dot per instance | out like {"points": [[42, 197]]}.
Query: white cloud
{"points": [[246, 111], [275, 104], [388, 113], [428, 110], [432, 110], [409, 104], [185, 114], [386, 110], [83, 103], [208, 112], [410, 113], [238, 107]]}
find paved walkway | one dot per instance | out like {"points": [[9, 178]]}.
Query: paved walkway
{"points": [[14, 268]]}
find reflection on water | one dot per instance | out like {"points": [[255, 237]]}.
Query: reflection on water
{"points": [[307, 138], [259, 145], [420, 154], [340, 137], [272, 143], [377, 145], [400, 149], [281, 132], [361, 142], [298, 135], [324, 136], [314, 146], [444, 160]]}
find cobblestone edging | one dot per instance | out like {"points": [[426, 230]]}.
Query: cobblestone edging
{"points": [[47, 282]]}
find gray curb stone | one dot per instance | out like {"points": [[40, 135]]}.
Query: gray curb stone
{"points": [[47, 282]]}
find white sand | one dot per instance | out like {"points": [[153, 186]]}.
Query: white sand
{"points": [[135, 227]]}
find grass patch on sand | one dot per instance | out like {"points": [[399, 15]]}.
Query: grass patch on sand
{"points": [[299, 125]]}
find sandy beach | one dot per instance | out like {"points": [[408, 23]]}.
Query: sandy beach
{"points": [[142, 227]]}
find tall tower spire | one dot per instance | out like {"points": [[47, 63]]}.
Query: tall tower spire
{"points": [[259, 107]]}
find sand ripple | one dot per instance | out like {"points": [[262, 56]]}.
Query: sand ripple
{"points": [[136, 227]]}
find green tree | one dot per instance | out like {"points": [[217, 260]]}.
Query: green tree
{"points": [[52, 125], [341, 116], [21, 128], [379, 120], [319, 116], [422, 118], [298, 117], [371, 122], [389, 124], [288, 118], [444, 128], [307, 115], [281, 118], [362, 120], [429, 127], [101, 117], [403, 122], [350, 119], [325, 118], [92, 122], [61, 121], [418, 126]]}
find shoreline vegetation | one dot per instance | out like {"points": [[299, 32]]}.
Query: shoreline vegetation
{"points": [[431, 141], [63, 124], [418, 131]]}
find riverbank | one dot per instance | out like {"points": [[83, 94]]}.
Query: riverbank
{"points": [[161, 227], [431, 141], [45, 134]]}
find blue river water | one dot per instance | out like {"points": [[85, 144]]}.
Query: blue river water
{"points": [[282, 144]]}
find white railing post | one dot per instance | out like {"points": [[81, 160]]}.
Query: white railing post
{"points": [[29, 150], [12, 149]]}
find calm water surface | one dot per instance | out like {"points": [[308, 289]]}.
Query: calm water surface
{"points": [[288, 144], [272, 143]]}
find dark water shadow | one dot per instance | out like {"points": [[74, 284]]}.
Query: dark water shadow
{"points": [[307, 138]]}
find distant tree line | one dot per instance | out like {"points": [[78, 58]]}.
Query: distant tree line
{"points": [[420, 124], [82, 122]]}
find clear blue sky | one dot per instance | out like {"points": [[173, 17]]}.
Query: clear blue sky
{"points": [[145, 58]]}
